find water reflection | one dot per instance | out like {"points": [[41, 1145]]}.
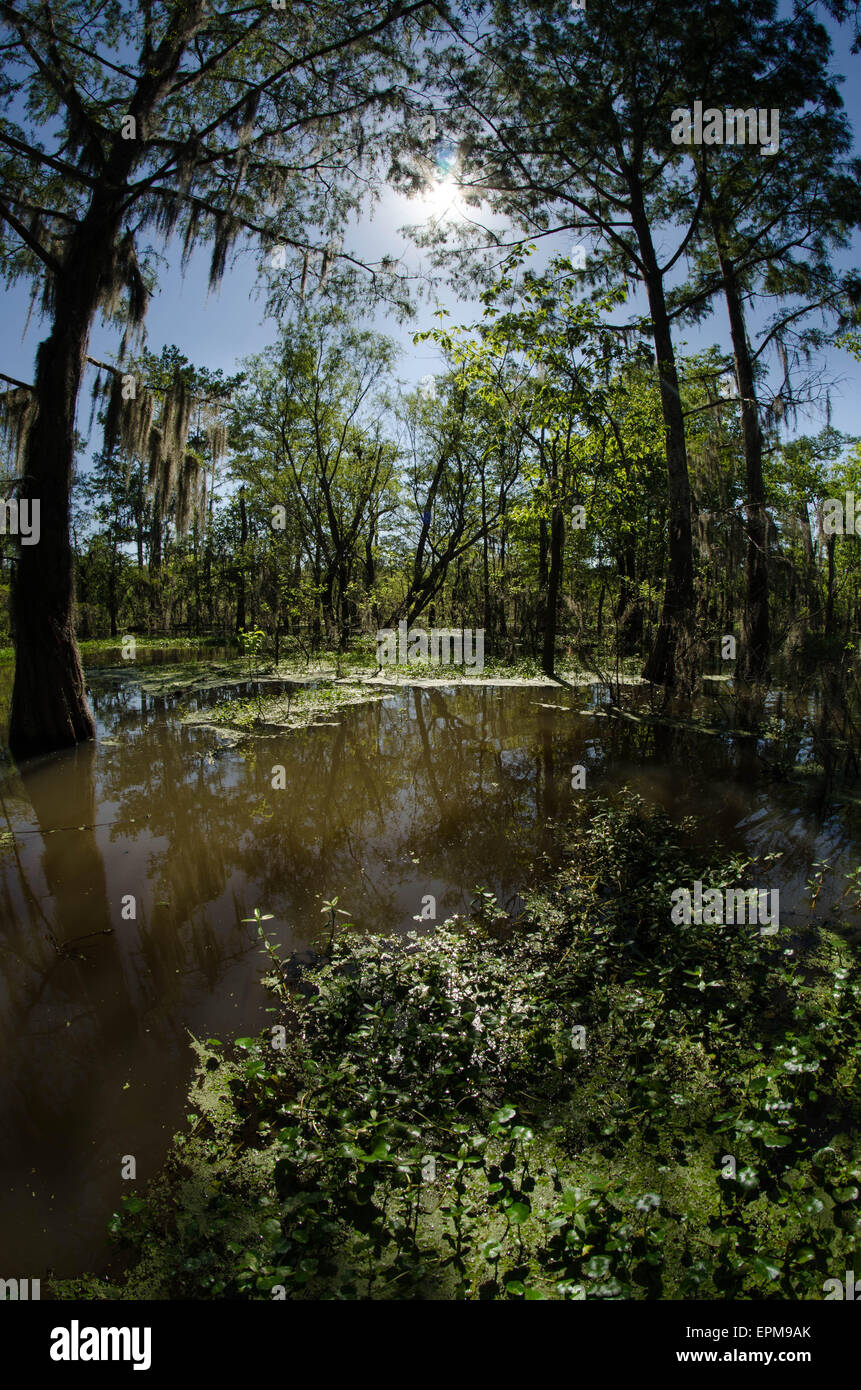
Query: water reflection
{"points": [[135, 860]]}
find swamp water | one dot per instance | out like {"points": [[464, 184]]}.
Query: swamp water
{"points": [[422, 792]]}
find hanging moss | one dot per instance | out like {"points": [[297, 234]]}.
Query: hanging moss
{"points": [[17, 413], [175, 475], [153, 458], [226, 230], [217, 436], [188, 492]]}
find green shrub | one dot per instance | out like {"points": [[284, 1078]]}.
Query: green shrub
{"points": [[559, 1170]]}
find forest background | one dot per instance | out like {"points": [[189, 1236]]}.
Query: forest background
{"points": [[589, 403]]}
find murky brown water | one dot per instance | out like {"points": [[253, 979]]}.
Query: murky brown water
{"points": [[426, 792]]}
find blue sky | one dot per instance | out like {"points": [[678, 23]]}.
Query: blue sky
{"points": [[216, 329]]}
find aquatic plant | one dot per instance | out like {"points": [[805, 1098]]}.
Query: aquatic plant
{"points": [[593, 1104]]}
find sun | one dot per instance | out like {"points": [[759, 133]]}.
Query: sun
{"points": [[442, 201]]}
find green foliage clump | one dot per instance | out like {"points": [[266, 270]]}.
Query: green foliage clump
{"points": [[545, 1110]]}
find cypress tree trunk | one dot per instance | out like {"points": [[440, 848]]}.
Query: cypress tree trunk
{"points": [[49, 703]]}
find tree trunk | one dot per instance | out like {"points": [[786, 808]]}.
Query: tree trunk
{"points": [[829, 594], [112, 585], [485, 566], [542, 552], [755, 642], [557, 546], [629, 614], [49, 703], [140, 508], [370, 568], [197, 603], [327, 600], [346, 606], [677, 610], [240, 574], [155, 535]]}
